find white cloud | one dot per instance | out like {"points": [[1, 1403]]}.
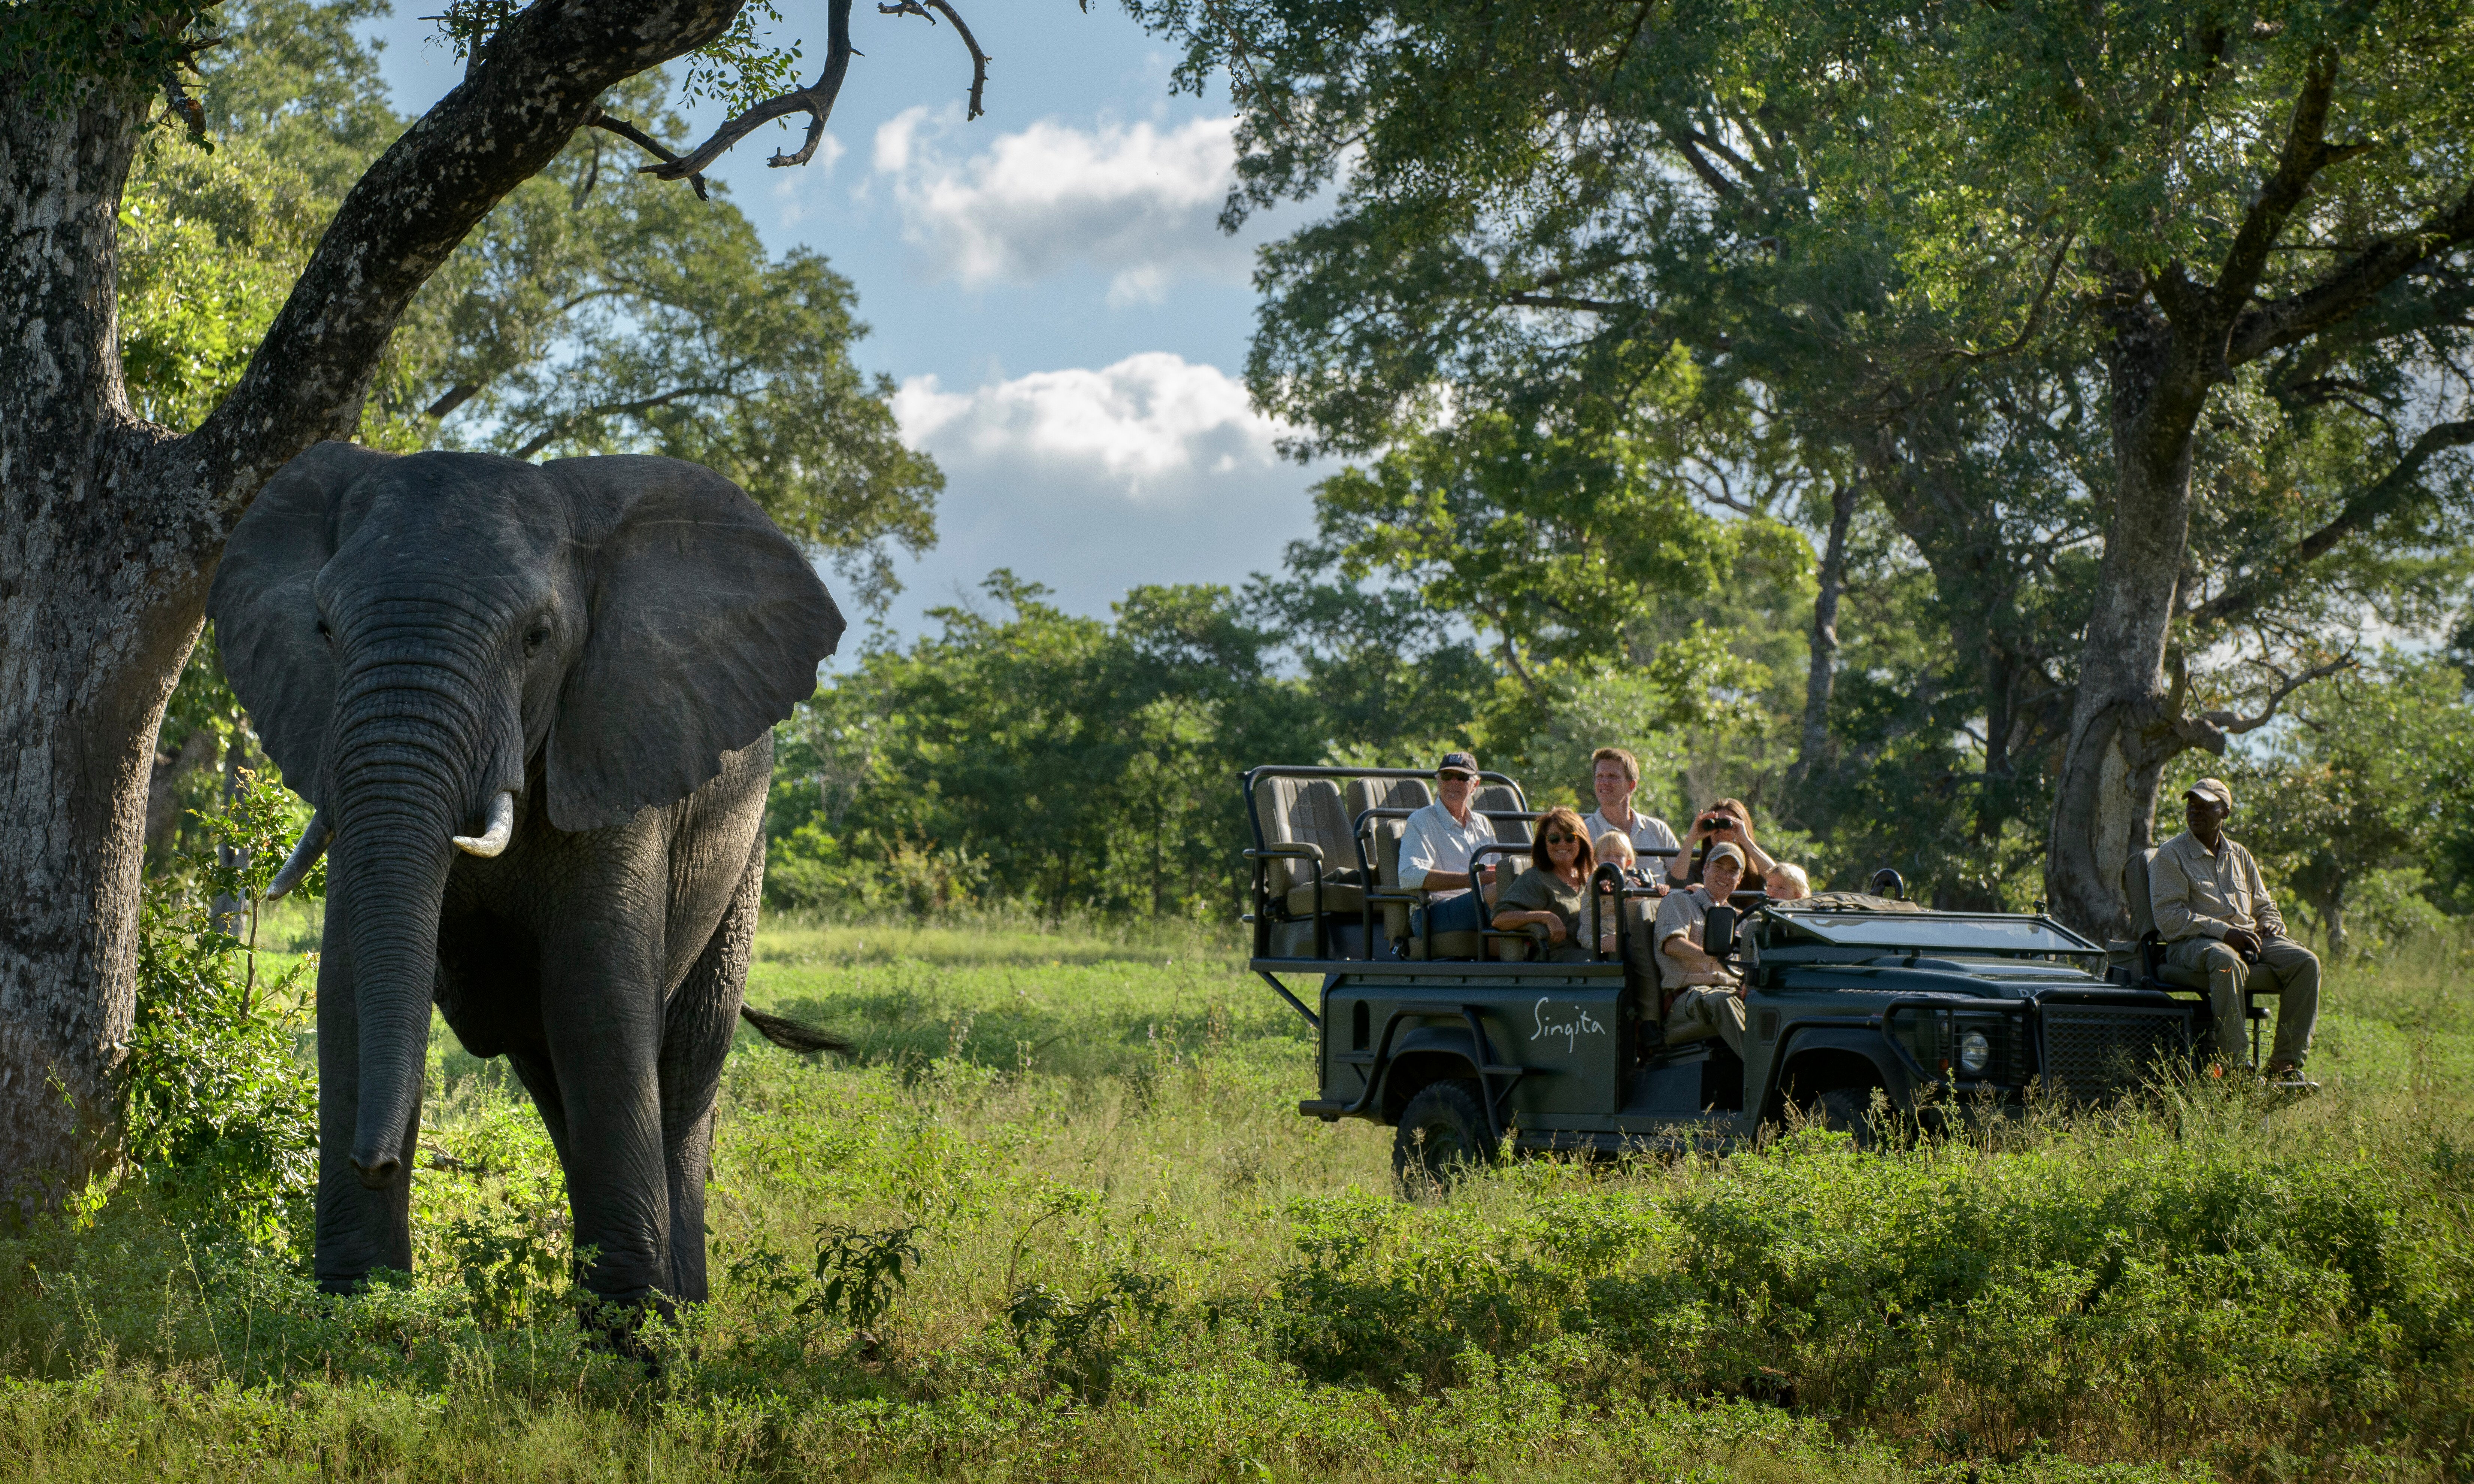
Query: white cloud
{"points": [[1135, 200], [1153, 426]]}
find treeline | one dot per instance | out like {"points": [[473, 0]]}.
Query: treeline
{"points": [[1023, 757]]}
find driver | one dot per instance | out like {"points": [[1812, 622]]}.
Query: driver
{"points": [[1702, 993], [2216, 915]]}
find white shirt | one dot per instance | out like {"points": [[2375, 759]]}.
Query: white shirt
{"points": [[1432, 840], [1646, 834]]}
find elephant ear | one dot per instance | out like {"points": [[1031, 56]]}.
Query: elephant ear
{"points": [[705, 627], [266, 612]]}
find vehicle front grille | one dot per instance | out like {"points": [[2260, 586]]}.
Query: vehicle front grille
{"points": [[2096, 1055]]}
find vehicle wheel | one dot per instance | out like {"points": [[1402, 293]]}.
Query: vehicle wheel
{"points": [[1442, 1134], [1850, 1108]]}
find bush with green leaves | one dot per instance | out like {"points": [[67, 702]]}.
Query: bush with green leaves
{"points": [[220, 1104]]}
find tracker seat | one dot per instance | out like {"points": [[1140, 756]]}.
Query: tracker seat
{"points": [[1309, 863], [2137, 894]]}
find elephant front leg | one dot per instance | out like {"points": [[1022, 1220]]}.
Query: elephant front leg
{"points": [[360, 1227], [601, 1018], [697, 1026]]}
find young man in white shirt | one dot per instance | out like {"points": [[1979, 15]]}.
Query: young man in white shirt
{"points": [[1614, 776], [1434, 848]]}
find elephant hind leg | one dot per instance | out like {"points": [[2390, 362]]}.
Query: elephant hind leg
{"points": [[696, 1030]]}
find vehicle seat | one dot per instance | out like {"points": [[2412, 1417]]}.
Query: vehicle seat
{"points": [[1307, 811], [1364, 793], [1503, 797], [2143, 926]]}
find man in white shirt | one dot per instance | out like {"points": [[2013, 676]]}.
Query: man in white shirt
{"points": [[1614, 776], [1436, 844]]}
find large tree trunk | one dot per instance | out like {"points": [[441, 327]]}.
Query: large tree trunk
{"points": [[2123, 729], [98, 608], [1821, 677]]}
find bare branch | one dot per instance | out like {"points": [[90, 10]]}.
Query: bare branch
{"points": [[561, 424], [2232, 724], [816, 101], [2306, 153], [2035, 311], [2358, 512], [979, 58], [457, 396], [635, 135], [1565, 302]]}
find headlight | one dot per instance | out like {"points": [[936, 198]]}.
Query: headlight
{"points": [[1974, 1053]]}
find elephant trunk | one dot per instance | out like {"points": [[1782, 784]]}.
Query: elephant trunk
{"points": [[417, 752], [390, 864]]}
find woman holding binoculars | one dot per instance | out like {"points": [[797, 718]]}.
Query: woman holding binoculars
{"points": [[1724, 823]]}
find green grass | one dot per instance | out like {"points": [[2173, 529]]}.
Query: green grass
{"points": [[1137, 1261]]}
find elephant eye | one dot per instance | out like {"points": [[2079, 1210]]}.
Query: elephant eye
{"points": [[535, 637], [324, 631]]}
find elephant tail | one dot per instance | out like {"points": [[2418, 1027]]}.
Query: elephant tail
{"points": [[790, 1034]]}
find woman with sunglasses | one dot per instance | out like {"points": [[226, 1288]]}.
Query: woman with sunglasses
{"points": [[1550, 900]]}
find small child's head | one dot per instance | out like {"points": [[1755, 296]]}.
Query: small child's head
{"points": [[1616, 846], [1786, 883]]}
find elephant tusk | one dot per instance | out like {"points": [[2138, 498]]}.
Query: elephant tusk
{"points": [[313, 844], [502, 828]]}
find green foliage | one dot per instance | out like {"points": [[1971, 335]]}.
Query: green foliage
{"points": [[54, 50], [1029, 755], [220, 1109], [1185, 1279], [2360, 793], [1782, 251], [859, 1273], [595, 311]]}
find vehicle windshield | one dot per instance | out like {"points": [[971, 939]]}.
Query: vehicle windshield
{"points": [[1963, 934]]}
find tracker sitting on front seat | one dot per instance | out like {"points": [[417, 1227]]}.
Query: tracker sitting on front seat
{"points": [[2218, 918]]}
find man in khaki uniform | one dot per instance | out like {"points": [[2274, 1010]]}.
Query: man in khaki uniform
{"points": [[2216, 917], [1702, 993]]}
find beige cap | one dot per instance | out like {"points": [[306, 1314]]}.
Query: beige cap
{"points": [[1723, 851], [2210, 788]]}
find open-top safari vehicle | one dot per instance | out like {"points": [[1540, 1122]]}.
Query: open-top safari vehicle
{"points": [[1466, 1046]]}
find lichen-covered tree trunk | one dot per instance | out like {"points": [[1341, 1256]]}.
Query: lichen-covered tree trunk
{"points": [[2121, 721], [98, 607]]}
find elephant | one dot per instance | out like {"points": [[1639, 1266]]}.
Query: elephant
{"points": [[532, 709]]}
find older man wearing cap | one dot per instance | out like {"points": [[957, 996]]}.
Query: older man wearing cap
{"points": [[1436, 844], [2216, 915], [1701, 993]]}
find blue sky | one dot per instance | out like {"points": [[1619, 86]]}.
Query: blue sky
{"points": [[1046, 284]]}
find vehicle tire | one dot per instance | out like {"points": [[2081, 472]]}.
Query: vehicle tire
{"points": [[1442, 1135], [1849, 1108]]}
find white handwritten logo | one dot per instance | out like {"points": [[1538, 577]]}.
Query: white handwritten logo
{"points": [[1583, 1024]]}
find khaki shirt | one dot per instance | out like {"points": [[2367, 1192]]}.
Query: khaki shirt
{"points": [[1684, 913], [2194, 893]]}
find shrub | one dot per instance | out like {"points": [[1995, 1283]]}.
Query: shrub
{"points": [[219, 1108]]}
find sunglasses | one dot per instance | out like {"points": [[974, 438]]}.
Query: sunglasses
{"points": [[1562, 840]]}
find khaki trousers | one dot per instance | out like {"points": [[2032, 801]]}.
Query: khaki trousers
{"points": [[2286, 970], [1708, 1007]]}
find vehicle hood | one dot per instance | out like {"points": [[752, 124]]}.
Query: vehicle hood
{"points": [[1906, 974]]}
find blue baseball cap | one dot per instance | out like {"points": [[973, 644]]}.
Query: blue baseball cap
{"points": [[1458, 762]]}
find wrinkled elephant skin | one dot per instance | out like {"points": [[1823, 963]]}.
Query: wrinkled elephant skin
{"points": [[609, 641]]}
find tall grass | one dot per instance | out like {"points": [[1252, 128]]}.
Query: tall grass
{"points": [[1135, 1260]]}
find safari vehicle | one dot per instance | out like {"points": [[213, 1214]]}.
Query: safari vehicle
{"points": [[1465, 1045]]}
